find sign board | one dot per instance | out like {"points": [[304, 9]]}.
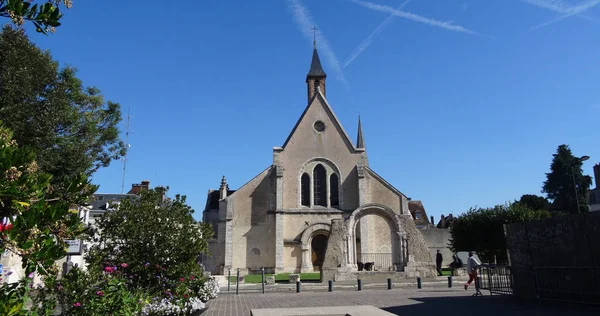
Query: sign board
{"points": [[74, 246], [1, 267]]}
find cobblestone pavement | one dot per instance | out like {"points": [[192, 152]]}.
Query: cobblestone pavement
{"points": [[399, 301]]}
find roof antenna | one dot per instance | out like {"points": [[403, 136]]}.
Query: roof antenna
{"points": [[127, 145], [315, 29]]}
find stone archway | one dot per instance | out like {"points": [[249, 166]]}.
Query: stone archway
{"points": [[397, 233], [314, 235]]}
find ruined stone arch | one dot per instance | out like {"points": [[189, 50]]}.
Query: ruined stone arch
{"points": [[308, 168], [393, 219]]}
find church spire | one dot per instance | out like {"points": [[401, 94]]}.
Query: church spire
{"points": [[316, 76], [360, 140]]}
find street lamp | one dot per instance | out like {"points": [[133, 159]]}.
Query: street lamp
{"points": [[582, 159]]}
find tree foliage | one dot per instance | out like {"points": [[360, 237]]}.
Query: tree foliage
{"points": [[157, 237], [32, 226], [71, 129], [564, 178], [44, 15], [481, 230], [534, 202]]}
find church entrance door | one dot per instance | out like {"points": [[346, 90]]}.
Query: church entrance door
{"points": [[318, 245]]}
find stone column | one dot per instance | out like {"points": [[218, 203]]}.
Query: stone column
{"points": [[306, 262], [279, 222]]}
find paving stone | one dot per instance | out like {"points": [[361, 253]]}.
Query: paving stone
{"points": [[399, 301]]}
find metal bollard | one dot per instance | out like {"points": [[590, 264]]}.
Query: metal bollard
{"points": [[237, 282], [450, 281], [262, 271], [298, 287], [228, 279], [419, 282], [330, 285], [389, 284], [359, 284]]}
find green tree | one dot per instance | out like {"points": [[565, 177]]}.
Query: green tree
{"points": [[564, 178], [45, 15], [71, 129], [534, 202], [154, 236], [482, 230], [31, 226]]}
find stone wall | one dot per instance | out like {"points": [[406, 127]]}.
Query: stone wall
{"points": [[561, 241], [438, 239]]}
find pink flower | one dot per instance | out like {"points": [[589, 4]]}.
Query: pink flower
{"points": [[123, 265], [100, 293], [181, 279], [109, 269], [76, 304], [191, 277]]}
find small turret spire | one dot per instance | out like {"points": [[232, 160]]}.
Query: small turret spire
{"points": [[223, 188], [360, 140], [315, 79]]}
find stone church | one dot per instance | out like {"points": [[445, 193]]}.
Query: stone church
{"points": [[281, 219]]}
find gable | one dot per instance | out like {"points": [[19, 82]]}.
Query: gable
{"points": [[319, 109]]}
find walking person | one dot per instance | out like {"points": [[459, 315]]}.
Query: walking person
{"points": [[472, 265], [438, 262]]}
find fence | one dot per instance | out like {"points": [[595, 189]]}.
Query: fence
{"points": [[381, 261], [495, 278], [568, 283]]}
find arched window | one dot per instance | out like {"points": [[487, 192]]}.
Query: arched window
{"points": [[418, 215], [305, 189], [317, 84], [333, 191], [320, 185]]}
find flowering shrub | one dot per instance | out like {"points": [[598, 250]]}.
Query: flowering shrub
{"points": [[209, 290], [88, 293], [173, 307]]}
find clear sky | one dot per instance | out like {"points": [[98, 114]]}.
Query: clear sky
{"points": [[463, 103]]}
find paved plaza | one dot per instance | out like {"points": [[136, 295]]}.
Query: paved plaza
{"points": [[436, 300]]}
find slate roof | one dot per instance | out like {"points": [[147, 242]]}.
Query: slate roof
{"points": [[212, 201], [316, 70], [417, 206], [99, 200]]}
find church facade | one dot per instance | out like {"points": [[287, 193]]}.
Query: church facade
{"points": [[281, 219]]}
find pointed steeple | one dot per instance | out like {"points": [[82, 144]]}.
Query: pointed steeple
{"points": [[360, 140], [315, 79], [316, 70]]}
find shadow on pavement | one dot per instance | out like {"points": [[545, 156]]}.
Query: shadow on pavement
{"points": [[490, 306]]}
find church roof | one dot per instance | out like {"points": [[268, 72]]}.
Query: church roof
{"points": [[212, 201], [360, 140], [316, 70]]}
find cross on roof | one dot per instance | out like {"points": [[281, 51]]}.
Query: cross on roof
{"points": [[315, 29]]}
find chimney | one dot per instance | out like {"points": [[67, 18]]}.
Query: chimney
{"points": [[432, 219], [597, 175], [223, 189], [145, 185]]}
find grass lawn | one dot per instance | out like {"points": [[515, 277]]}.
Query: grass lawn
{"points": [[283, 277]]}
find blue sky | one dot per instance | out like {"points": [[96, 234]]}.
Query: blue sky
{"points": [[463, 103]]}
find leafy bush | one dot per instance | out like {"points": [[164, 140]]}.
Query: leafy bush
{"points": [[482, 230], [156, 236]]}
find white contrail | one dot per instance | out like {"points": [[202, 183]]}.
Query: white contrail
{"points": [[562, 8], [305, 24], [367, 41], [414, 17], [557, 6]]}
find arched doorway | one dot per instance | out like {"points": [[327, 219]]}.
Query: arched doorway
{"points": [[318, 246]]}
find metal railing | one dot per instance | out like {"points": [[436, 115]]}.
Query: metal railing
{"points": [[381, 261], [568, 283], [495, 278]]}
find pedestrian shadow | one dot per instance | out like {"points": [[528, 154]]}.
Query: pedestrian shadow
{"points": [[490, 306]]}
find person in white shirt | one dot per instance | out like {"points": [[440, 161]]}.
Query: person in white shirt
{"points": [[472, 264]]}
